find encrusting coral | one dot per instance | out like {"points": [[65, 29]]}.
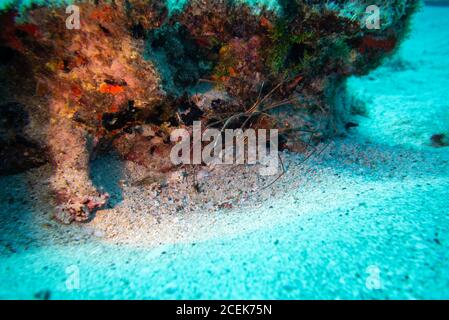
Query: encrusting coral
{"points": [[135, 70]]}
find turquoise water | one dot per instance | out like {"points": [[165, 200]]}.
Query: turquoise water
{"points": [[358, 231]]}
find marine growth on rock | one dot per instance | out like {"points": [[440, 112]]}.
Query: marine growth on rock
{"points": [[136, 70]]}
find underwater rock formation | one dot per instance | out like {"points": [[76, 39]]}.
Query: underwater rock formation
{"points": [[135, 70]]}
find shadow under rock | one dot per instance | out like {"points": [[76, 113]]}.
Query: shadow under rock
{"points": [[16, 218], [106, 171]]}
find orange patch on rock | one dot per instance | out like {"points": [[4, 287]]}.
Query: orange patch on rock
{"points": [[372, 43], [102, 14], [110, 88], [114, 108], [264, 22], [76, 91], [297, 80]]}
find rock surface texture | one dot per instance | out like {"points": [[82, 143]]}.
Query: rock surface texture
{"points": [[136, 70]]}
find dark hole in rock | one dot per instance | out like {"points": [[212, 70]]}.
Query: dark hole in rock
{"points": [[138, 32], [296, 53], [118, 120], [17, 152], [178, 58], [6, 55]]}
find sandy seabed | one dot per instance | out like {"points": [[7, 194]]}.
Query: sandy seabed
{"points": [[366, 218]]}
